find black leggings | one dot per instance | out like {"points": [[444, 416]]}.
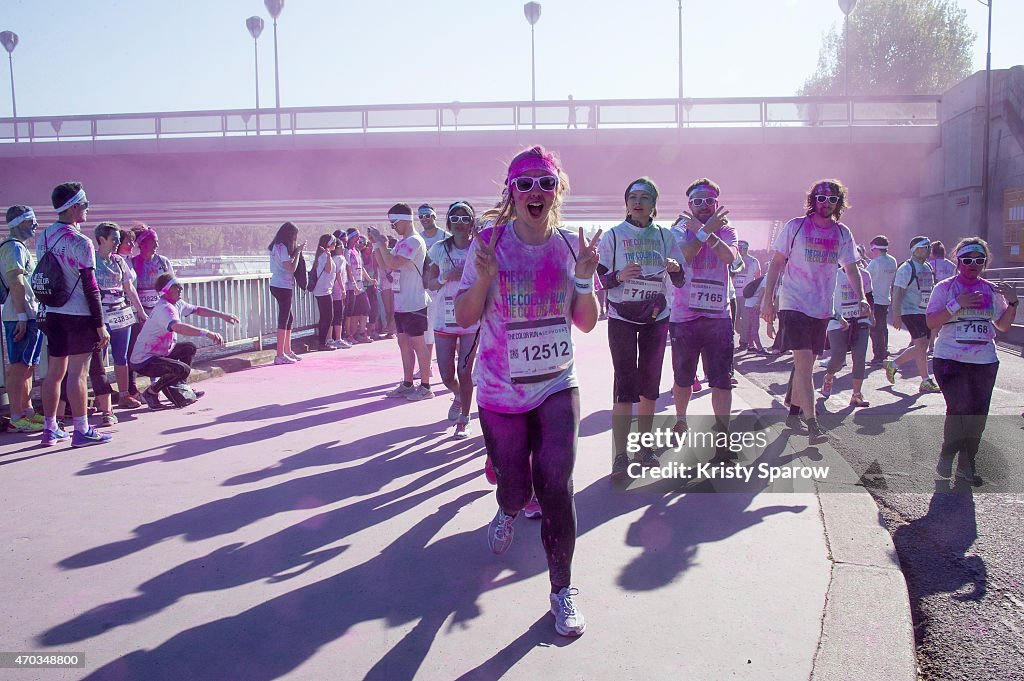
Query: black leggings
{"points": [[326, 307], [534, 453], [967, 389], [283, 296], [133, 389], [170, 370]]}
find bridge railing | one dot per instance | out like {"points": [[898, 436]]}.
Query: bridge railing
{"points": [[455, 116]]}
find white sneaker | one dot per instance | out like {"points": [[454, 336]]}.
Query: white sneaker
{"points": [[343, 344], [293, 357], [283, 359], [400, 390], [419, 393], [568, 620], [501, 532], [455, 411], [461, 428]]}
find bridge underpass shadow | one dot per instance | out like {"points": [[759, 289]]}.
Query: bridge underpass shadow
{"points": [[189, 448], [229, 514]]}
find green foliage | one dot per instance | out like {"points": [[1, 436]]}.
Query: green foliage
{"points": [[897, 47]]}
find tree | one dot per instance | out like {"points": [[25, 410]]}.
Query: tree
{"points": [[896, 48]]}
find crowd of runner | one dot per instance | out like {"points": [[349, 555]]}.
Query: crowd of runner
{"points": [[494, 295]]}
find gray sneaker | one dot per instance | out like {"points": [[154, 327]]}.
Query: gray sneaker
{"points": [[568, 620], [500, 532], [400, 390], [418, 393]]}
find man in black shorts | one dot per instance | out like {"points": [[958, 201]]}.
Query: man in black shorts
{"points": [[75, 328], [809, 248]]}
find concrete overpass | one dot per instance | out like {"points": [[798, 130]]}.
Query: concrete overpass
{"points": [[348, 164]]}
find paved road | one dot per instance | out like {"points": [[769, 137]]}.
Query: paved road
{"points": [[960, 552]]}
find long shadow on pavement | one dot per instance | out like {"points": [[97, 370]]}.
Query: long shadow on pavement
{"points": [[229, 514]]}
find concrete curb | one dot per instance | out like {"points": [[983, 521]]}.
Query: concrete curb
{"points": [[867, 630]]}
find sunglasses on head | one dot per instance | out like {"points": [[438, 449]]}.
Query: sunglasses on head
{"points": [[460, 219], [524, 184], [822, 198], [699, 201], [980, 260]]}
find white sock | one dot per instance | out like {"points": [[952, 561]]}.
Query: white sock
{"points": [[50, 423], [81, 423]]}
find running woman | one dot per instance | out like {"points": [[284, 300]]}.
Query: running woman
{"points": [[445, 263], [911, 290], [527, 282], [848, 331], [636, 257], [965, 309], [809, 248]]}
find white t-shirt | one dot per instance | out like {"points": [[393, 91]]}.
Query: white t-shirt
{"points": [[325, 280], [448, 258], [147, 272], [969, 336], [626, 244], [916, 293], [355, 265], [943, 268], [882, 270], [813, 254], [15, 257], [74, 252], [340, 276], [526, 348], [156, 338], [280, 277], [410, 296], [429, 241]]}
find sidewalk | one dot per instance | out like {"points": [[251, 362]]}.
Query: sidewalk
{"points": [[295, 524]]}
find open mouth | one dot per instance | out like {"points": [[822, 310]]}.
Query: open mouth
{"points": [[536, 209]]}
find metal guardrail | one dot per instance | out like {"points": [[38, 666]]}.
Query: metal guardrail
{"points": [[1014, 338], [455, 116], [245, 295]]}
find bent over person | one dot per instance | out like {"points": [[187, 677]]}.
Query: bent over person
{"points": [[156, 355]]}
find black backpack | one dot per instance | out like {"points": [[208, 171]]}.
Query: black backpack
{"points": [[301, 275], [48, 279], [751, 288]]}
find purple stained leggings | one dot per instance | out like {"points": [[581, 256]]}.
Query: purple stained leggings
{"points": [[534, 453]]}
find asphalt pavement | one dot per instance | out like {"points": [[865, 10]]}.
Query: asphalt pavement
{"points": [[296, 524]]}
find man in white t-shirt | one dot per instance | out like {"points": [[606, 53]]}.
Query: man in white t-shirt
{"points": [[411, 318], [750, 271], [431, 234], [22, 337], [156, 354], [810, 249], [911, 291], [882, 269]]}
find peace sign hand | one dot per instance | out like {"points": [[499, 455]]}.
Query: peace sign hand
{"points": [[588, 258], [486, 259]]}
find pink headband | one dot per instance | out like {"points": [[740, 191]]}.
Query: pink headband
{"points": [[545, 162], [145, 235]]}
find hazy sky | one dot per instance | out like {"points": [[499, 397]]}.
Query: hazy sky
{"points": [[140, 55]]}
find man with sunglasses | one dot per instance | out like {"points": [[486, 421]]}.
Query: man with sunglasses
{"points": [[882, 269], [701, 321], [911, 290], [22, 337], [407, 260], [809, 248]]}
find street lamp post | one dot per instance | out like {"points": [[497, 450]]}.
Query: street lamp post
{"points": [[275, 7], [255, 26], [846, 6], [988, 126], [532, 12], [680, 49], [10, 41]]}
